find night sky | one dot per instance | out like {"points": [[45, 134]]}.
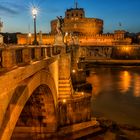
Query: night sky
{"points": [[16, 14]]}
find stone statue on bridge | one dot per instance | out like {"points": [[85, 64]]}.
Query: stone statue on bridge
{"points": [[59, 37], [1, 24], [60, 22]]}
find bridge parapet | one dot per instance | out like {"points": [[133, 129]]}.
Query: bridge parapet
{"points": [[21, 55], [48, 66]]}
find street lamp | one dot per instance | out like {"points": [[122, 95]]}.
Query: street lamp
{"points": [[34, 13], [73, 71], [29, 34], [64, 101], [82, 93]]}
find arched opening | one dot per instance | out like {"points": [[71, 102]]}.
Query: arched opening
{"points": [[38, 116]]}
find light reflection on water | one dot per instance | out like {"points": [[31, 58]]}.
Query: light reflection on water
{"points": [[125, 81], [116, 93]]}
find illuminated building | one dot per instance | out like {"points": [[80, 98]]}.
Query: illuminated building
{"points": [[1, 37], [81, 29]]}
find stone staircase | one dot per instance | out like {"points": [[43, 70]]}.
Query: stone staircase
{"points": [[65, 88]]}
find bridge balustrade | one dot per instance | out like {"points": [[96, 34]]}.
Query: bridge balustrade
{"points": [[32, 53], [49, 52], [17, 55], [42, 52], [56, 50]]}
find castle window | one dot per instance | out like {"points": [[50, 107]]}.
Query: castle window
{"points": [[75, 26], [67, 15], [77, 14], [72, 14], [81, 15]]}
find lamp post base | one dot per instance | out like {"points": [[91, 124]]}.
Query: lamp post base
{"points": [[35, 42]]}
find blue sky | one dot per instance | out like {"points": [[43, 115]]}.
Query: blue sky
{"points": [[16, 14]]}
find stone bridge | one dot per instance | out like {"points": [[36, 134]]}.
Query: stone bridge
{"points": [[36, 92]]}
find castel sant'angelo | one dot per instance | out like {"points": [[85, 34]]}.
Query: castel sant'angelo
{"points": [[79, 29]]}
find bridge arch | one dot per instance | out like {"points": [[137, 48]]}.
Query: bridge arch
{"points": [[24, 93]]}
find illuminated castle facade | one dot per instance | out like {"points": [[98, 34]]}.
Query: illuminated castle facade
{"points": [[80, 29], [76, 22]]}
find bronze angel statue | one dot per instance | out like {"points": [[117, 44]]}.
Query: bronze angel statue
{"points": [[60, 22]]}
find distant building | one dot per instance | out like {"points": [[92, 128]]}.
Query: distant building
{"points": [[138, 38], [29, 38], [1, 37], [80, 29]]}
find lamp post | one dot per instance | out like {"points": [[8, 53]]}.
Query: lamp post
{"points": [[34, 13]]}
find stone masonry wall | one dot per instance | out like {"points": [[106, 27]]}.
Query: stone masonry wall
{"points": [[74, 111]]}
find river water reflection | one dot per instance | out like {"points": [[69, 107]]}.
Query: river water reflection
{"points": [[116, 93]]}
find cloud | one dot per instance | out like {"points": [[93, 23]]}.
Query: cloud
{"points": [[10, 8]]}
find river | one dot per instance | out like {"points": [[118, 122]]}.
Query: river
{"points": [[116, 93]]}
